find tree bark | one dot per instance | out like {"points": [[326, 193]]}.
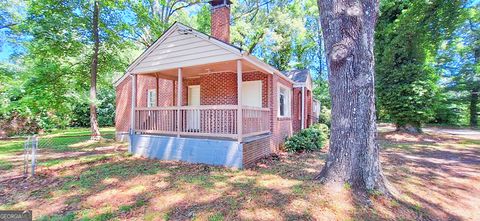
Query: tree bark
{"points": [[348, 32], [93, 73], [473, 107], [476, 83]]}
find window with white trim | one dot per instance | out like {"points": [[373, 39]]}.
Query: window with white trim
{"points": [[284, 101], [152, 98]]}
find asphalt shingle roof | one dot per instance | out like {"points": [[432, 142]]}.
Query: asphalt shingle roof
{"points": [[299, 76]]}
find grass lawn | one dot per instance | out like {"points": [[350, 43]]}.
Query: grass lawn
{"points": [[436, 177]]}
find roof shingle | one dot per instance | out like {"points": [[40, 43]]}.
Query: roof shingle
{"points": [[299, 76]]}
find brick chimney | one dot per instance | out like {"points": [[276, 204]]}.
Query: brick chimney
{"points": [[220, 20]]}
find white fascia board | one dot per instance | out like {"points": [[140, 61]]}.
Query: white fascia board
{"points": [[296, 85], [266, 67]]}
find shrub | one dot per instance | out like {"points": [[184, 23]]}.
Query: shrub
{"points": [[325, 116], [309, 139]]}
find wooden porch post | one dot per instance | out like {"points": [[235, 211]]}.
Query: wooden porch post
{"points": [[156, 91], [303, 108], [133, 103], [179, 101], [239, 101]]}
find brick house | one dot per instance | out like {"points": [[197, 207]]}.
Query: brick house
{"points": [[233, 108]]}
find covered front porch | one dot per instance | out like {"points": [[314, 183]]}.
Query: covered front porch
{"points": [[215, 102]]}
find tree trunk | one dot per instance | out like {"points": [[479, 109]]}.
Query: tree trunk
{"points": [[473, 107], [348, 32], [93, 72], [476, 83]]}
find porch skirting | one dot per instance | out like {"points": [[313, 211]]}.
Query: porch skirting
{"points": [[227, 153]]}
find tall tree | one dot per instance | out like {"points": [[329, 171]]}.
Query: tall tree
{"points": [[409, 34], [93, 73], [348, 29], [459, 59]]}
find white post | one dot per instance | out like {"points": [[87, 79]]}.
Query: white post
{"points": [[179, 101], [239, 101], [34, 153], [156, 91], [133, 104], [303, 107]]}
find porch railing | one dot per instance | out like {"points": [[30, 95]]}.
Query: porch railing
{"points": [[209, 120], [255, 121]]}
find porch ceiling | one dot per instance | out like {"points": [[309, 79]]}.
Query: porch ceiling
{"points": [[198, 70]]}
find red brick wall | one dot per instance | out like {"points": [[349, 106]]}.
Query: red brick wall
{"points": [[297, 109], [216, 89], [220, 23], [124, 98], [281, 127], [297, 120], [253, 151], [122, 105], [221, 88]]}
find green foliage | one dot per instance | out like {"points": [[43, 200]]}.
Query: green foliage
{"points": [[309, 139], [325, 116], [408, 35], [51, 88], [458, 61]]}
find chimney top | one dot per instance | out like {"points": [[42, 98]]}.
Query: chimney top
{"points": [[216, 3], [220, 22]]}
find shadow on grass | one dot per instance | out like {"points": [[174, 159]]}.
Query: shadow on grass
{"points": [[278, 187]]}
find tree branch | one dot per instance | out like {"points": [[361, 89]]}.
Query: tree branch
{"points": [[8, 25]]}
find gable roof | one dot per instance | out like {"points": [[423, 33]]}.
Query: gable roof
{"points": [[299, 76], [182, 46]]}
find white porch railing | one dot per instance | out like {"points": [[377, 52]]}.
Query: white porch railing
{"points": [[255, 121], [209, 120]]}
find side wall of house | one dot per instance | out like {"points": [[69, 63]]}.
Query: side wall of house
{"points": [[124, 98], [297, 109], [281, 126]]}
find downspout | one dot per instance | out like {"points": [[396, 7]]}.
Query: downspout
{"points": [[303, 107]]}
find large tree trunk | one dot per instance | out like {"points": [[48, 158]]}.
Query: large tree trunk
{"points": [[93, 73], [348, 32]]}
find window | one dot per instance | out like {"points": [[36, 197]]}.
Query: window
{"points": [[284, 101], [152, 98]]}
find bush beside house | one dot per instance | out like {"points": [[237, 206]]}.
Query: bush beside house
{"points": [[309, 139]]}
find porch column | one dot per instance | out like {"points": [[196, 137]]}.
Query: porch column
{"points": [[133, 103], [303, 108], [239, 101], [156, 91], [179, 101]]}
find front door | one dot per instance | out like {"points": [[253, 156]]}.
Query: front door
{"points": [[193, 116]]}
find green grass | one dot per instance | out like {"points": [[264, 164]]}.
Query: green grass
{"points": [[122, 170], [79, 131], [59, 140], [5, 165], [216, 217], [83, 159]]}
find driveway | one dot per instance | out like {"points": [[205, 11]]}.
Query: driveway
{"points": [[463, 133]]}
